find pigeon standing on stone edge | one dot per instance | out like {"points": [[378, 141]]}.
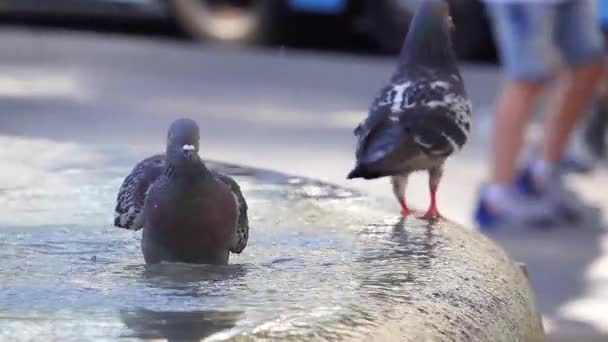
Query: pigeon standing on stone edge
{"points": [[423, 115], [188, 212]]}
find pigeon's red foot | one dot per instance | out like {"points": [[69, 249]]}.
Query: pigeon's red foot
{"points": [[431, 215], [405, 211]]}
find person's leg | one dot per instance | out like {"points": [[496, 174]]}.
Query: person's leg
{"points": [[594, 132], [581, 42], [595, 127], [524, 33], [588, 143], [573, 94], [512, 110], [582, 48]]}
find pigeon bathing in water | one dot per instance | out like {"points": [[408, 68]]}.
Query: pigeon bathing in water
{"points": [[188, 213], [422, 116]]}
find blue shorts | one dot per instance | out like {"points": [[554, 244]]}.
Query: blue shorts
{"points": [[533, 39]]}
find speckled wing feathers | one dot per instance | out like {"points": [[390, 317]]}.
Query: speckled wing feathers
{"points": [[432, 110], [132, 194]]}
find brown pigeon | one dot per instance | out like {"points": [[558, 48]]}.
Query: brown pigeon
{"points": [[188, 212]]}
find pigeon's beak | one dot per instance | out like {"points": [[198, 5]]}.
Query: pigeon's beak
{"points": [[189, 151]]}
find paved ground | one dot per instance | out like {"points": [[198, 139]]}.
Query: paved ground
{"points": [[281, 109]]}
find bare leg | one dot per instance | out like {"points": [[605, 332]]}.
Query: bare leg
{"points": [[512, 111], [594, 131], [434, 178], [574, 93], [399, 183]]}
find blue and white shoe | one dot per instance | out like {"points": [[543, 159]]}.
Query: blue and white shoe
{"points": [[576, 165], [514, 210], [579, 158], [486, 217], [566, 203]]}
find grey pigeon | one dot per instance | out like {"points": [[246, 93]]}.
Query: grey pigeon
{"points": [[423, 115], [188, 212]]}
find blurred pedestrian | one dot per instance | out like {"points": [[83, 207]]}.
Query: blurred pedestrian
{"points": [[541, 43], [588, 147]]}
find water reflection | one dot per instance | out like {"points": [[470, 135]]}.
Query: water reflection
{"points": [[413, 244], [177, 325], [422, 247], [395, 257], [178, 273]]}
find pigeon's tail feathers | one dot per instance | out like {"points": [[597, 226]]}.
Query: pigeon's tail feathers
{"points": [[357, 172], [129, 213], [366, 172], [242, 229], [379, 144]]}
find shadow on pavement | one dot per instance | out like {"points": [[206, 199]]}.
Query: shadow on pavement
{"points": [[557, 259]]}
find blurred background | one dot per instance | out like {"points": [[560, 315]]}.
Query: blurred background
{"points": [[278, 84], [349, 25]]}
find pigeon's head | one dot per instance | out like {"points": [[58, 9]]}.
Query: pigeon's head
{"points": [[183, 141], [435, 13]]}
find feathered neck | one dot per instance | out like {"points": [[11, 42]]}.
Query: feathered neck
{"points": [[428, 43], [186, 172]]}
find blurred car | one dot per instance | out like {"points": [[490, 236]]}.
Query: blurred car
{"points": [[252, 21], [385, 21]]}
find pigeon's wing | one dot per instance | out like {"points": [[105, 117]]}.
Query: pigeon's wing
{"points": [[380, 134], [132, 194], [433, 113], [436, 114], [242, 231], [432, 131]]}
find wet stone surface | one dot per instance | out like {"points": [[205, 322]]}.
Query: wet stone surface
{"points": [[322, 263]]}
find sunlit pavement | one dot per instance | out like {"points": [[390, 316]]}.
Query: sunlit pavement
{"points": [[286, 110]]}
